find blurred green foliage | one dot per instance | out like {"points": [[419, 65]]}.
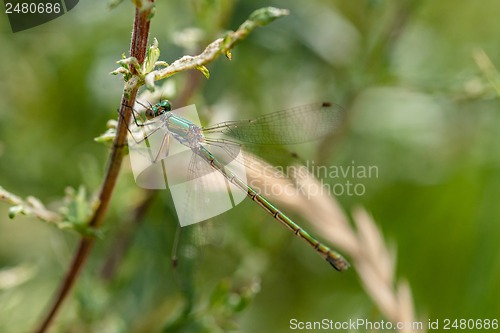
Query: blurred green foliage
{"points": [[420, 108]]}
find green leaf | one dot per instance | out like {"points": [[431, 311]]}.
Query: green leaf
{"points": [[120, 70], [152, 56], [106, 137], [204, 70], [77, 211], [110, 133], [16, 210], [161, 63], [77, 208], [266, 15], [129, 61]]}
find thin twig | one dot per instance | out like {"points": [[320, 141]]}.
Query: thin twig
{"points": [[222, 45], [31, 206]]}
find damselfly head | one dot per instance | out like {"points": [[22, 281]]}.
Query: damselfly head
{"points": [[158, 109]]}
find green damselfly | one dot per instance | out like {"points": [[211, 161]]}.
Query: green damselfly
{"points": [[290, 126]]}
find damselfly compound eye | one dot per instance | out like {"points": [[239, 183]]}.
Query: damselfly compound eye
{"points": [[150, 113]]}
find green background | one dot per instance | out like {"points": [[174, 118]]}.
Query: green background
{"points": [[419, 108]]}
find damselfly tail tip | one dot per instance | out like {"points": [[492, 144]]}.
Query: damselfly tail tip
{"points": [[339, 263]]}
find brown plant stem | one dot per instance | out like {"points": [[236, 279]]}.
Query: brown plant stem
{"points": [[138, 50]]}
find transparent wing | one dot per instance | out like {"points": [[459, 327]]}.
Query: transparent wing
{"points": [[245, 157], [193, 206], [149, 145], [205, 190], [296, 125]]}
